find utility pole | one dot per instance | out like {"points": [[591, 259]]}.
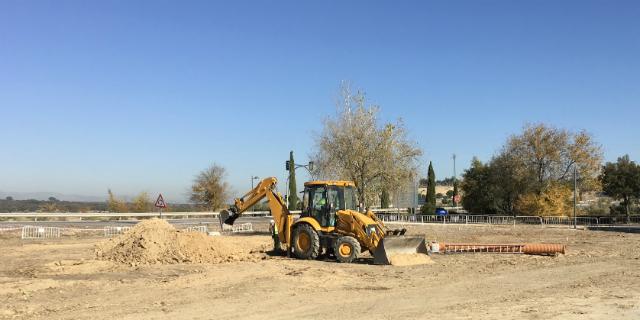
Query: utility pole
{"points": [[575, 196], [415, 197], [453, 199], [253, 178], [454, 167]]}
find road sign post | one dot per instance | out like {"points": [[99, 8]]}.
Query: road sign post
{"points": [[160, 204]]}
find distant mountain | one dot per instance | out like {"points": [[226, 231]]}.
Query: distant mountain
{"points": [[46, 195]]}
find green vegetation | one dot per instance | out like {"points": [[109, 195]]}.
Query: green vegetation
{"points": [[533, 173], [454, 193], [429, 206], [32, 205], [384, 199], [293, 195], [621, 180]]}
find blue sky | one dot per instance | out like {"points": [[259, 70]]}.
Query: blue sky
{"points": [[141, 95]]}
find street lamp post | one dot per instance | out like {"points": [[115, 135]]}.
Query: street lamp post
{"points": [[309, 166], [253, 178], [290, 168]]}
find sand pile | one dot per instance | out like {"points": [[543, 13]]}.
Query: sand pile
{"points": [[410, 259], [156, 241]]}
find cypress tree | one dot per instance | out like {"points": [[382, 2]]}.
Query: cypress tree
{"points": [[293, 196], [429, 206], [455, 192]]}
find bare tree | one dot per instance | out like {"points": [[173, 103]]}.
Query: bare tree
{"points": [[142, 203], [116, 205], [355, 145], [210, 188], [550, 153]]}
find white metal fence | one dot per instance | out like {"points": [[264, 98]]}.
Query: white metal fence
{"points": [[503, 220], [35, 232], [202, 229], [112, 231], [243, 227]]}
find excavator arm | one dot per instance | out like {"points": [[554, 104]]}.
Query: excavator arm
{"points": [[279, 211]]}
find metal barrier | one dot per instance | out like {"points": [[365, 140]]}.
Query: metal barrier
{"points": [[34, 232], [9, 229], [528, 220], [504, 220], [557, 220], [112, 231], [202, 229], [243, 227]]}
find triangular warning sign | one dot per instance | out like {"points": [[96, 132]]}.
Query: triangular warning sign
{"points": [[160, 202]]}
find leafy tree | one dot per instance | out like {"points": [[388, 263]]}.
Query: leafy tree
{"points": [[445, 182], [531, 168], [9, 198], [429, 206], [48, 207], [549, 154], [53, 199], [509, 180], [554, 200], [355, 145], [476, 187], [384, 199], [142, 203], [210, 188], [621, 180], [116, 205], [293, 195]]}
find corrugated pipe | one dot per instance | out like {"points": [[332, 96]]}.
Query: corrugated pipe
{"points": [[526, 248]]}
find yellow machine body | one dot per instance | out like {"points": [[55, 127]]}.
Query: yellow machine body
{"points": [[329, 223]]}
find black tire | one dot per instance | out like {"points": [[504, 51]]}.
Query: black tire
{"points": [[306, 242], [347, 249]]}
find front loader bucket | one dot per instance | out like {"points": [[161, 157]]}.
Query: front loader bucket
{"points": [[390, 246]]}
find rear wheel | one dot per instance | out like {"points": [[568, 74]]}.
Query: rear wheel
{"points": [[346, 249], [306, 242]]}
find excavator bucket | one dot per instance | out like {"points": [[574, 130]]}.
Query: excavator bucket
{"points": [[391, 246], [228, 217]]}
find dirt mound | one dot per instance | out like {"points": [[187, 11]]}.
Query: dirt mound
{"points": [[156, 241], [410, 259]]}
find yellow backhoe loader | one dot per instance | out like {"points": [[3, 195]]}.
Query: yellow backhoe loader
{"points": [[329, 223]]}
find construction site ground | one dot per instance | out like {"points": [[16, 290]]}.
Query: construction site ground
{"points": [[598, 278]]}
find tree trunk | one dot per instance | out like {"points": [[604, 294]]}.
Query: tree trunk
{"points": [[626, 207]]}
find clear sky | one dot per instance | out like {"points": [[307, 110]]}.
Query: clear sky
{"points": [[141, 95]]}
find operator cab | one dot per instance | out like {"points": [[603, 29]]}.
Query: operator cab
{"points": [[322, 199]]}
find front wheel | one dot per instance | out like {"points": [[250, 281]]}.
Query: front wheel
{"points": [[346, 249], [306, 242]]}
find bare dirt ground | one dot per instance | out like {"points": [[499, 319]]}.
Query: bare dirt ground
{"points": [[598, 278]]}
